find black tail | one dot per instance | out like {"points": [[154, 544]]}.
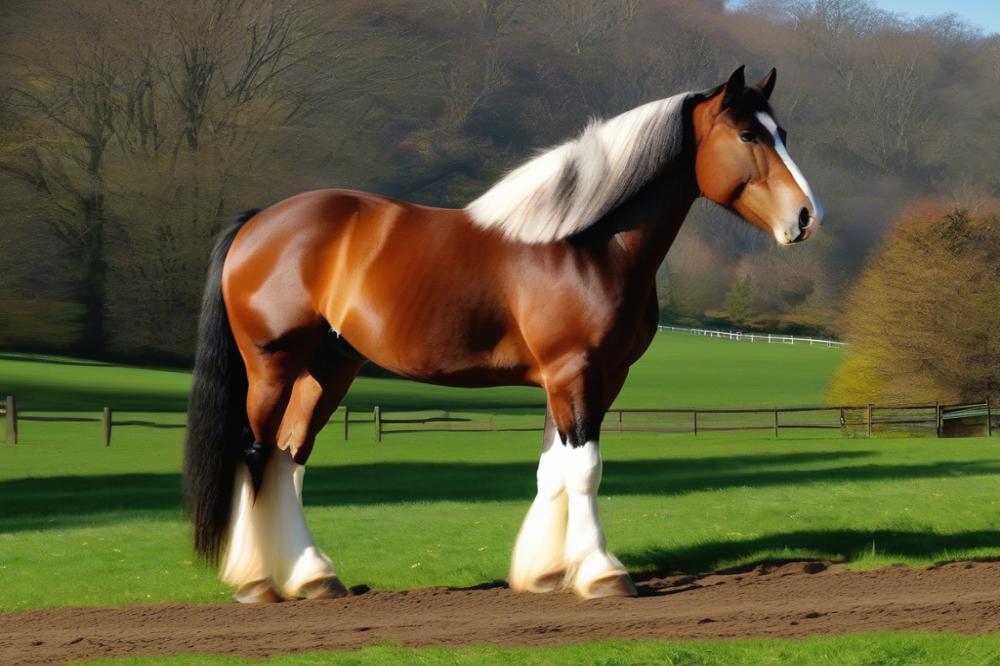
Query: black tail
{"points": [[217, 427]]}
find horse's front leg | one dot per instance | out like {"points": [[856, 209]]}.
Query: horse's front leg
{"points": [[561, 543], [538, 563], [591, 570]]}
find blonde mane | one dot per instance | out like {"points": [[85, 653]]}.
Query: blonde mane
{"points": [[568, 188]]}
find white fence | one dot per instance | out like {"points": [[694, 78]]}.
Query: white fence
{"points": [[740, 336]]}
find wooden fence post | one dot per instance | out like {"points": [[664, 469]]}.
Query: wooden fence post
{"points": [[378, 423], [776, 423], [868, 418], [989, 418], [619, 420], [11, 420], [937, 417], [347, 422], [694, 412], [107, 426]]}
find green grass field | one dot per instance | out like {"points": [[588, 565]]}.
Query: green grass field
{"points": [[679, 370], [86, 525]]}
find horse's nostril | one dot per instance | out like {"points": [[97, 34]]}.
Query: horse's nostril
{"points": [[803, 218]]}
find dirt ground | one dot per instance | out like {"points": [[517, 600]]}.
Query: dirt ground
{"points": [[770, 600]]}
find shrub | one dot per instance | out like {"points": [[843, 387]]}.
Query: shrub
{"points": [[922, 321]]}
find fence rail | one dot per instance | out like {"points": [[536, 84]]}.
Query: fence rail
{"points": [[13, 417], [743, 336], [938, 419]]}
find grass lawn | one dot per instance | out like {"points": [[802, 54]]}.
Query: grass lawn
{"points": [[86, 525], [850, 650]]}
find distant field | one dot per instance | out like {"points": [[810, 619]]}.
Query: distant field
{"points": [[679, 370]]}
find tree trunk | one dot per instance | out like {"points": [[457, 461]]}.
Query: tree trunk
{"points": [[93, 274]]}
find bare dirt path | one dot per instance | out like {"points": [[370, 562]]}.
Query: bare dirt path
{"points": [[788, 600]]}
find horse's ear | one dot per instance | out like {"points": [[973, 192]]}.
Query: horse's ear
{"points": [[734, 88], [766, 84]]}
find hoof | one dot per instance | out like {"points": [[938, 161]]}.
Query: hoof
{"points": [[613, 585], [549, 582], [326, 588], [257, 592]]}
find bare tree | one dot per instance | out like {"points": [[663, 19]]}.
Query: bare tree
{"points": [[130, 132], [112, 102], [71, 94]]}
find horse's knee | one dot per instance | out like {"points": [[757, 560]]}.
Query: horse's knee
{"points": [[315, 395]]}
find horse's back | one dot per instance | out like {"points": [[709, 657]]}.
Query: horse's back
{"points": [[399, 281]]}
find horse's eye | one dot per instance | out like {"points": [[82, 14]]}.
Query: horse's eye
{"points": [[748, 137]]}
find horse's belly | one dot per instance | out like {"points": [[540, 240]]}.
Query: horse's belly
{"points": [[430, 354], [472, 377]]}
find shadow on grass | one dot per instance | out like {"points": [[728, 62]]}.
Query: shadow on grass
{"points": [[52, 360], [61, 397], [45, 503], [837, 545]]}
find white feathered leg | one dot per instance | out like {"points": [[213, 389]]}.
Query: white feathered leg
{"points": [[538, 563], [591, 570], [298, 569], [243, 564], [269, 541]]}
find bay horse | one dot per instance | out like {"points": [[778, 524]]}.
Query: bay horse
{"points": [[547, 279]]}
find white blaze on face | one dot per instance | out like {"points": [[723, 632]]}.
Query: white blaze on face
{"points": [[779, 146]]}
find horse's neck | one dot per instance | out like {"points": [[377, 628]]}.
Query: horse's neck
{"points": [[647, 225]]}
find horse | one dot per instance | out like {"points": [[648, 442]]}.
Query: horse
{"points": [[546, 279]]}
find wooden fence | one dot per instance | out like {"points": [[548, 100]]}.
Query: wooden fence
{"points": [[12, 417], [941, 420], [938, 419]]}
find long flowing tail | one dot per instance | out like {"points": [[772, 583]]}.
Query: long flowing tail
{"points": [[217, 424]]}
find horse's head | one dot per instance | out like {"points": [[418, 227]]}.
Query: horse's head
{"points": [[742, 162]]}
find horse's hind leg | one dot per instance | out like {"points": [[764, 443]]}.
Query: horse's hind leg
{"points": [[245, 562], [299, 569], [270, 553]]}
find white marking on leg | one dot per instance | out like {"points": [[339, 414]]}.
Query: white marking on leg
{"points": [[538, 561], [243, 557], [586, 551], [583, 478], [290, 552]]}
